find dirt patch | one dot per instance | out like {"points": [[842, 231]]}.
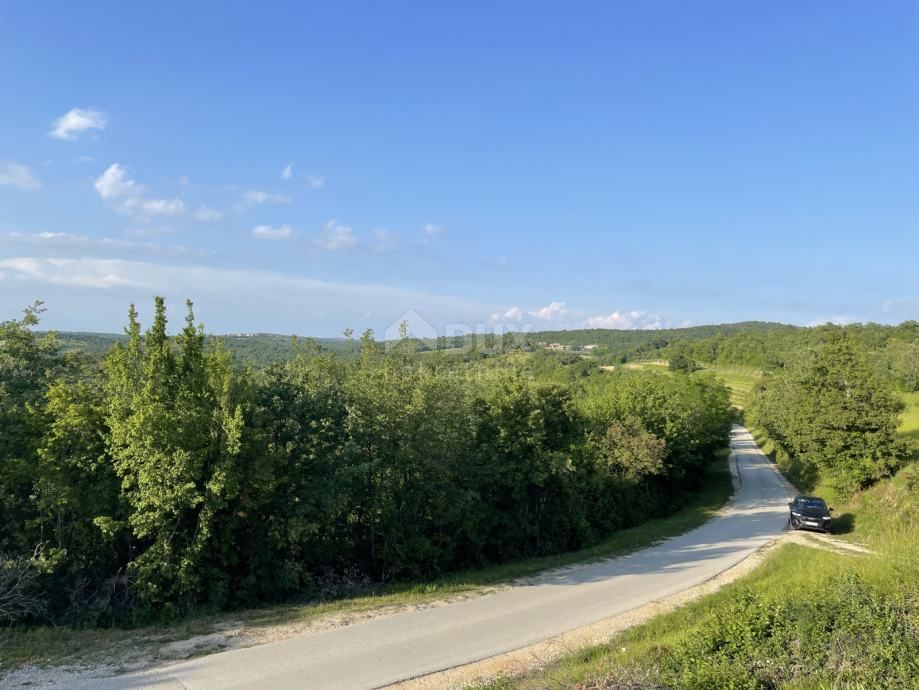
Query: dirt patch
{"points": [[826, 542]]}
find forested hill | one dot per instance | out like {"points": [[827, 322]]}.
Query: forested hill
{"points": [[763, 345], [257, 349], [643, 344], [262, 349]]}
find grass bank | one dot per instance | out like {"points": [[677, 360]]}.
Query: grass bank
{"points": [[47, 645], [739, 379], [806, 618]]}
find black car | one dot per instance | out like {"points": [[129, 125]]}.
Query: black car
{"points": [[810, 512]]}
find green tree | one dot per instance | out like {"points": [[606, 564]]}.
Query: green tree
{"points": [[831, 412], [174, 433]]}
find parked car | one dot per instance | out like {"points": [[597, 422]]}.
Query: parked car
{"points": [[810, 512]]}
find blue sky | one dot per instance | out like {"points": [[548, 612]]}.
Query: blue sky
{"points": [[540, 165]]}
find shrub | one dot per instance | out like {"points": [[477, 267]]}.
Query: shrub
{"points": [[844, 634]]}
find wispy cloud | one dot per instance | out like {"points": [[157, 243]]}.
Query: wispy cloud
{"points": [[336, 237], [512, 315], [255, 197], [229, 299], [516, 315], [431, 230], [68, 245], [384, 240], [557, 315], [159, 207], [316, 181], [13, 174], [839, 320], [129, 197], [287, 172], [267, 232], [208, 215], [550, 311], [73, 123]]}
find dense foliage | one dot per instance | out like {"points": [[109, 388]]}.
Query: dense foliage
{"points": [[831, 413], [170, 477]]}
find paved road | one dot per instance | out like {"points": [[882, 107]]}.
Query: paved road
{"points": [[386, 650]]}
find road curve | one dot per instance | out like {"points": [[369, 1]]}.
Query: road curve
{"points": [[393, 648]]}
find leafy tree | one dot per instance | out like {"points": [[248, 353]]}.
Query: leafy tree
{"points": [[831, 412], [28, 365], [629, 449], [681, 361]]}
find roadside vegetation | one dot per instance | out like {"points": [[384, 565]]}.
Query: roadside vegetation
{"points": [[168, 481], [85, 647], [807, 617], [165, 483]]}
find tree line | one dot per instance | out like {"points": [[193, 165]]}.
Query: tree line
{"points": [[892, 352], [169, 477]]}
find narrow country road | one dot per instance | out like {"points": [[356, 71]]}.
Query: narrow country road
{"points": [[393, 648]]}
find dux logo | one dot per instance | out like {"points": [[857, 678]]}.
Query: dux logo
{"points": [[418, 327]]}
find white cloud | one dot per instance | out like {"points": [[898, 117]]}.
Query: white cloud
{"points": [[512, 315], [254, 197], [114, 184], [129, 197], [70, 125], [336, 237], [840, 320], [267, 232], [625, 320], [559, 316], [287, 172], [13, 174], [432, 230], [162, 207], [550, 311], [316, 181], [208, 215]]}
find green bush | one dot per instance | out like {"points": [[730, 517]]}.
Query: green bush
{"points": [[845, 635]]}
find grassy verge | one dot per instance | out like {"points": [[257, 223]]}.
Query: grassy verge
{"points": [[805, 618], [47, 645]]}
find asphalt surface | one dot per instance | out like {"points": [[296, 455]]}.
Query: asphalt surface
{"points": [[393, 648]]}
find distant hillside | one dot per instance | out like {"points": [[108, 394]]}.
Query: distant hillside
{"points": [[630, 345], [758, 344], [257, 349]]}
